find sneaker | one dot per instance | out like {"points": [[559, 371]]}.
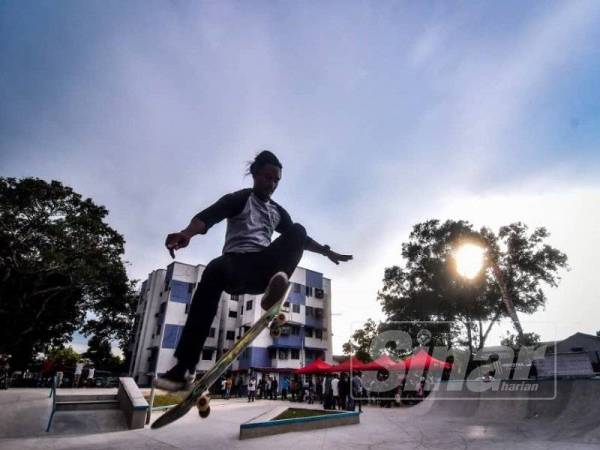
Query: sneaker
{"points": [[275, 290], [175, 379]]}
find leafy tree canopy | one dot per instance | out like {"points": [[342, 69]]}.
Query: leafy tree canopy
{"points": [[429, 289], [60, 265]]}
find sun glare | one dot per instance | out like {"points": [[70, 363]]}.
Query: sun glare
{"points": [[469, 260]]}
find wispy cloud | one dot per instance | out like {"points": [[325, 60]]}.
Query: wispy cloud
{"points": [[379, 112]]}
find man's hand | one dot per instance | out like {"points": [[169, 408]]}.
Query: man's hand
{"points": [[175, 241], [336, 257]]}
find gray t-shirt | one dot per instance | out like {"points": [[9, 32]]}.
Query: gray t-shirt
{"points": [[250, 220]]}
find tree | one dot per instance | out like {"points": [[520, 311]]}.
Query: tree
{"points": [[60, 267], [515, 341], [66, 355], [100, 353], [428, 289], [360, 342]]}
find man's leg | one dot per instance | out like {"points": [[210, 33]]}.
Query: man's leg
{"points": [[283, 255], [197, 326], [286, 251]]}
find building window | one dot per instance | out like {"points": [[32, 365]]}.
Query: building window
{"points": [[319, 293], [309, 291], [294, 331], [207, 355], [233, 314], [319, 313], [297, 287], [319, 334], [191, 287], [285, 331], [295, 353], [283, 354], [309, 310], [272, 353], [211, 332], [308, 332], [295, 308], [230, 336], [242, 311], [248, 305], [235, 297]]}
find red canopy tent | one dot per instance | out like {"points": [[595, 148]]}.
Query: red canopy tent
{"points": [[317, 366], [384, 362], [423, 360], [350, 364]]}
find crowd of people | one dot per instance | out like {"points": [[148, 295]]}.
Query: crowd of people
{"points": [[334, 391]]}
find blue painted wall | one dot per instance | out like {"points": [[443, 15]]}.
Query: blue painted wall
{"points": [[314, 279], [180, 291], [257, 357], [171, 336]]}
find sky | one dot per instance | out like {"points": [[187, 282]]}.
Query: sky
{"points": [[383, 113]]}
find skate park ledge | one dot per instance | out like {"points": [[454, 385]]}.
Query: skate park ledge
{"points": [[265, 425]]}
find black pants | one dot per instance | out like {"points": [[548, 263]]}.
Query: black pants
{"points": [[236, 274]]}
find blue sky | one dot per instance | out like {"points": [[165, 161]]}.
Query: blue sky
{"points": [[383, 114]]}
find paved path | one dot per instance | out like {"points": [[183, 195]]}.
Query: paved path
{"points": [[571, 420]]}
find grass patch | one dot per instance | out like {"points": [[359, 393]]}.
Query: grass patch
{"points": [[295, 413], [165, 399]]}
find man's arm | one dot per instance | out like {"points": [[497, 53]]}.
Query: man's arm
{"points": [[195, 227], [227, 206], [313, 246], [325, 250]]}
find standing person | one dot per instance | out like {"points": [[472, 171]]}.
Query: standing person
{"points": [[250, 263], [357, 390], [228, 384], [328, 393], [90, 376], [238, 386], [4, 371], [335, 391], [319, 389], [285, 385], [224, 387], [293, 388], [78, 371], [261, 387], [60, 372], [344, 389], [268, 392], [274, 388], [251, 389]]}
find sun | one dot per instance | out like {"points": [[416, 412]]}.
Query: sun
{"points": [[469, 260]]}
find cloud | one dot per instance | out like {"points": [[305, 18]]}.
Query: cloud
{"points": [[379, 113]]}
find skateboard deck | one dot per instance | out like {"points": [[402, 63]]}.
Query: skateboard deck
{"points": [[270, 318]]}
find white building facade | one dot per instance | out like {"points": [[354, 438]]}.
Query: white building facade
{"points": [[164, 302]]}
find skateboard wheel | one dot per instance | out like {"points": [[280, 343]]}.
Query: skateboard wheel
{"points": [[275, 331], [203, 403], [280, 319], [204, 414]]}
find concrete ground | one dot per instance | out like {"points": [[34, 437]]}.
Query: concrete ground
{"points": [[570, 420]]}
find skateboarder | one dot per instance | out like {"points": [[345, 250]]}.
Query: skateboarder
{"points": [[250, 263]]}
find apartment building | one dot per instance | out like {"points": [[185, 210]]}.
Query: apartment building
{"points": [[164, 302]]}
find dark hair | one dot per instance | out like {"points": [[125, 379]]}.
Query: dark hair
{"points": [[262, 159]]}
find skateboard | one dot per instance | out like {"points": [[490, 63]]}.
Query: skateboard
{"points": [[273, 319]]}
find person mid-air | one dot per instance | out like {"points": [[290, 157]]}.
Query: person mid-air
{"points": [[250, 263]]}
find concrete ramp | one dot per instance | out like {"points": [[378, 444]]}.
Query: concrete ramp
{"points": [[552, 410]]}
